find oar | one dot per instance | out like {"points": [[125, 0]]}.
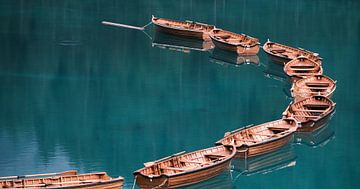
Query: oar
{"points": [[129, 26], [70, 172], [125, 25]]}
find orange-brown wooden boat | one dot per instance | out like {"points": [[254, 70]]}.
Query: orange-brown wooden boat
{"points": [[239, 43], [314, 85], [260, 139], [302, 67], [67, 179], [183, 28], [279, 53], [184, 169], [310, 110]]}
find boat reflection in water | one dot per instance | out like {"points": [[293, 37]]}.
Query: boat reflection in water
{"points": [[182, 44], [223, 57], [222, 181], [276, 72], [320, 135], [280, 159]]}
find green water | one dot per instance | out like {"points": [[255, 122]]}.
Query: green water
{"points": [[75, 94]]}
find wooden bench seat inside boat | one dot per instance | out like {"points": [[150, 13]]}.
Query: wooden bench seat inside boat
{"points": [[215, 156], [223, 36], [317, 106], [277, 50], [305, 110], [191, 161], [317, 84], [174, 168]]}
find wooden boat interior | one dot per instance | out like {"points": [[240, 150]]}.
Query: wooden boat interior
{"points": [[182, 163], [260, 133], [315, 85], [302, 66], [311, 108], [183, 24], [61, 180], [233, 38]]}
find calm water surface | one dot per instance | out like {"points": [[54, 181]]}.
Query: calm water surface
{"points": [[75, 94]]}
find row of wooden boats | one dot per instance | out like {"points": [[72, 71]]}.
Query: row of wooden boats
{"points": [[240, 43], [311, 109], [263, 164]]}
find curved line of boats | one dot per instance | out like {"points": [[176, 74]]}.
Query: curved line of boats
{"points": [[309, 111]]}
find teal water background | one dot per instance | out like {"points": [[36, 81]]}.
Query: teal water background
{"points": [[75, 94]]}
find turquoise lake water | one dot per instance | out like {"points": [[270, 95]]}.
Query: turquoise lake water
{"points": [[76, 94]]}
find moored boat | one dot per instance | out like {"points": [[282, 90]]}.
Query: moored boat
{"points": [[184, 169], [307, 112], [302, 67], [281, 54], [183, 28], [260, 139], [67, 179], [240, 43], [314, 85]]}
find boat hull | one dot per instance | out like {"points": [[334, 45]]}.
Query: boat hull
{"points": [[65, 182], [182, 32], [256, 150], [253, 50], [182, 179]]}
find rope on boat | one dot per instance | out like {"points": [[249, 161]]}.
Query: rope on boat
{"points": [[126, 25], [162, 184], [134, 182]]}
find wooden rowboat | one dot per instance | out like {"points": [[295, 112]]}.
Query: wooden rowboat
{"points": [[314, 85], [67, 179], [239, 43], [184, 169], [183, 28], [310, 110], [260, 139], [281, 54], [302, 67]]}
